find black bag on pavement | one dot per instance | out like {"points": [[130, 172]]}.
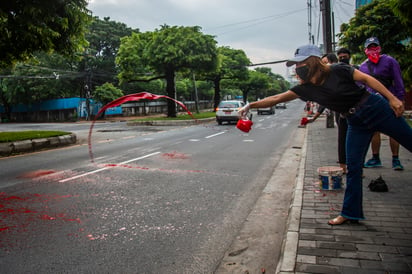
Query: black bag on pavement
{"points": [[378, 185]]}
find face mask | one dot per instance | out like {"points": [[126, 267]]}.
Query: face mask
{"points": [[373, 54], [302, 72], [345, 60]]}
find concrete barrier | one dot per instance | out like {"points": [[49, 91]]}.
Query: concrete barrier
{"points": [[11, 148]]}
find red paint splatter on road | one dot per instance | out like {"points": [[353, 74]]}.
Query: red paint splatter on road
{"points": [[20, 215], [175, 155], [37, 173]]}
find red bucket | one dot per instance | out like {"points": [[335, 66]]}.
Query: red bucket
{"points": [[244, 125], [304, 121]]}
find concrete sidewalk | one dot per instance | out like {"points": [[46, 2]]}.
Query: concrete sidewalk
{"points": [[380, 244]]}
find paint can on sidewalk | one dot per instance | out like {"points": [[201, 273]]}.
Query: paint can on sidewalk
{"points": [[330, 177]]}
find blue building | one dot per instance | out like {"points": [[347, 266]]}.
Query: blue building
{"points": [[360, 3], [65, 109]]}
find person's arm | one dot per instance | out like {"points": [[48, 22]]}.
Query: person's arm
{"points": [[398, 85], [269, 101], [394, 102], [320, 110]]}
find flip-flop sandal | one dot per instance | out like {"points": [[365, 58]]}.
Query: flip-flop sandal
{"points": [[341, 220]]}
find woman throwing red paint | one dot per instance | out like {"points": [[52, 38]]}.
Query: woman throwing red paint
{"points": [[335, 87]]}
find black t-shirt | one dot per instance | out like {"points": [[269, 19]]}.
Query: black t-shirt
{"points": [[339, 92]]}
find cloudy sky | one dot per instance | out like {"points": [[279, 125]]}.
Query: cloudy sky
{"points": [[267, 30]]}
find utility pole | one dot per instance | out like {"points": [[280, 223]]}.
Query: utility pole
{"points": [[327, 45], [196, 97], [326, 22], [310, 21]]}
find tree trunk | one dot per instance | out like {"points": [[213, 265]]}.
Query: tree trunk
{"points": [[216, 83], [7, 107], [171, 92], [245, 94]]}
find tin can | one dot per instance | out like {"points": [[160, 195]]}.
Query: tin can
{"points": [[330, 177]]}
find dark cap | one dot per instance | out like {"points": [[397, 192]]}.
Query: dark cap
{"points": [[302, 53], [371, 40]]}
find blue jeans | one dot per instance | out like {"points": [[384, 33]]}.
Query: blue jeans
{"points": [[373, 115]]}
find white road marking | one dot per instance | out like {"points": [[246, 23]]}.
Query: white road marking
{"points": [[194, 140], [129, 137], [105, 141], [104, 168], [213, 135]]}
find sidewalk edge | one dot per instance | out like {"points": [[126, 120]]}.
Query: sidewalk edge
{"points": [[287, 261]]}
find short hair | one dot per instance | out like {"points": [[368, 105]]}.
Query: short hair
{"points": [[331, 57], [343, 50]]}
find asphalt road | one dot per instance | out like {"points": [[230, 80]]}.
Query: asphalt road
{"points": [[149, 200]]}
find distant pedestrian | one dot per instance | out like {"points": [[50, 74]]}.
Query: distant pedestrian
{"points": [[344, 56], [386, 70], [334, 86], [329, 58]]}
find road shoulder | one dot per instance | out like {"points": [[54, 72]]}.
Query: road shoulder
{"points": [[257, 247]]}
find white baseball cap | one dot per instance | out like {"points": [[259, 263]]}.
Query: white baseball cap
{"points": [[302, 53]]}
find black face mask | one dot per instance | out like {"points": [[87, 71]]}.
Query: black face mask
{"points": [[345, 60], [302, 72]]}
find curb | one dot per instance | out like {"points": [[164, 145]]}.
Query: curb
{"points": [[287, 262], [11, 148]]}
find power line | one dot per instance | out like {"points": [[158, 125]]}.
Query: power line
{"points": [[253, 22], [267, 63]]}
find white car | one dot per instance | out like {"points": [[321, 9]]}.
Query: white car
{"points": [[227, 111], [269, 110], [281, 105]]}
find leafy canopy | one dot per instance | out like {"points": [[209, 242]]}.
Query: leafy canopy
{"points": [[378, 19], [27, 26], [107, 93], [165, 52]]}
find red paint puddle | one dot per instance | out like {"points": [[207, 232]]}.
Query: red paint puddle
{"points": [[20, 215], [175, 155], [37, 173]]}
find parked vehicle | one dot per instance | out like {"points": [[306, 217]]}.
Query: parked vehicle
{"points": [[281, 105], [269, 110], [227, 111]]}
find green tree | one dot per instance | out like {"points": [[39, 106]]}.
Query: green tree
{"points": [[232, 65], [98, 60], [28, 26], [277, 84], [163, 53], [43, 77], [378, 19], [256, 83], [107, 93], [403, 10]]}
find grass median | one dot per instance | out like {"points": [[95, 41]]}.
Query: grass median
{"points": [[13, 136]]}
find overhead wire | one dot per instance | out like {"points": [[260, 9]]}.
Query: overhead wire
{"points": [[253, 22]]}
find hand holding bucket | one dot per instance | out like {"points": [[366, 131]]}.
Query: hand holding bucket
{"points": [[244, 124]]}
